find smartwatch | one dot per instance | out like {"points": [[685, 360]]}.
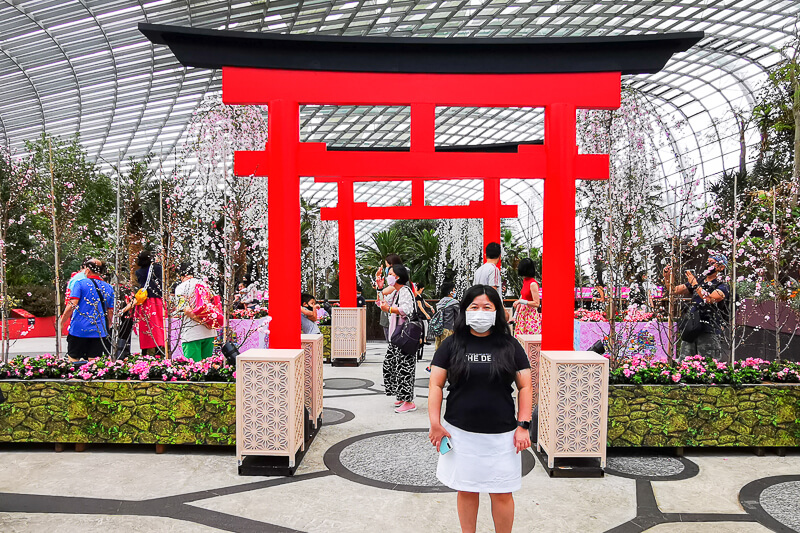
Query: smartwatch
{"points": [[524, 424]]}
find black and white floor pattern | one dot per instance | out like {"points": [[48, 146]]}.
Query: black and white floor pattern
{"points": [[372, 469]]}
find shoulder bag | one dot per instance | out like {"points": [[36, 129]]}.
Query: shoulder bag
{"points": [[407, 336], [141, 294]]}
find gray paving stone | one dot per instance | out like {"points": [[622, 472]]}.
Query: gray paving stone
{"points": [[782, 502]]}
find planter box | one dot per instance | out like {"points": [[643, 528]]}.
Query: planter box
{"points": [[650, 339], [349, 334], [270, 389], [573, 404], [312, 357], [137, 412], [704, 415], [532, 344]]}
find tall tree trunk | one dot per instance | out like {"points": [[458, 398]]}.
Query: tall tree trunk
{"points": [[6, 347], [56, 248]]}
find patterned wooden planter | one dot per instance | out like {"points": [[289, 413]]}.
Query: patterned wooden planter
{"points": [[270, 390], [532, 344], [348, 334], [573, 405], [312, 355]]}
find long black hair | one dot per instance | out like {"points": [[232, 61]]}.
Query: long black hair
{"points": [[502, 365]]}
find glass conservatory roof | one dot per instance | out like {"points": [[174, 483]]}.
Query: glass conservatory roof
{"points": [[82, 66]]}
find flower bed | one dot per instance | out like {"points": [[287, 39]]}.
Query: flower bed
{"points": [[703, 415], [704, 402], [137, 367], [138, 412]]}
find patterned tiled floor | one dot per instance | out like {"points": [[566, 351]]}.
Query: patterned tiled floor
{"points": [[370, 469]]}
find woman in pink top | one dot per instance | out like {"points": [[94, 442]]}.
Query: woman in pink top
{"points": [[528, 321]]}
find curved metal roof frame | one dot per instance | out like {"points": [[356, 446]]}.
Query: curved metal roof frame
{"points": [[72, 66]]}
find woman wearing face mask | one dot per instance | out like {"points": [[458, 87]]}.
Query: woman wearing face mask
{"points": [[481, 360], [384, 288], [399, 368]]}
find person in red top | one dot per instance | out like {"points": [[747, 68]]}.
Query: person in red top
{"points": [[528, 321]]}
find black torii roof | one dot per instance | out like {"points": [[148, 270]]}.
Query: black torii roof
{"points": [[202, 48]]}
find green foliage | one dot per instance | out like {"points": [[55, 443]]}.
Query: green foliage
{"points": [[84, 204], [422, 252], [513, 253], [40, 302]]}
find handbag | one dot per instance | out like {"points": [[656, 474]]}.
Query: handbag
{"points": [[406, 337], [141, 294], [690, 324]]}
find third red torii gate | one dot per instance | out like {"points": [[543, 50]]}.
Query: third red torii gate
{"points": [[347, 211]]}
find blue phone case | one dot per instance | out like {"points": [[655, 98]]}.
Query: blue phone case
{"points": [[445, 446]]}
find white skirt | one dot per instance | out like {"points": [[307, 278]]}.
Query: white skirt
{"points": [[480, 462]]}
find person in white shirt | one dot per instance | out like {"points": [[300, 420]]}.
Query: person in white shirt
{"points": [[489, 273], [197, 341]]}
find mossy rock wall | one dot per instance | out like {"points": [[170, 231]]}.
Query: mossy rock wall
{"points": [[138, 412], [326, 342], [703, 415]]}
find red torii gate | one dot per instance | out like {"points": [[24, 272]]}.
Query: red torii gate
{"points": [[284, 71], [490, 209]]}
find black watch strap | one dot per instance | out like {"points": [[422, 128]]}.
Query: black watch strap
{"points": [[525, 424]]}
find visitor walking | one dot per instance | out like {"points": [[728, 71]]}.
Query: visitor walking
{"points": [[149, 314], [384, 289], [125, 326], [90, 311], [709, 299], [481, 360], [448, 307], [399, 368], [528, 320], [308, 314], [197, 340], [426, 312], [489, 272]]}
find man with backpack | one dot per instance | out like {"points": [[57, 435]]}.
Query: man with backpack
{"points": [[709, 302], [197, 339], [90, 310]]}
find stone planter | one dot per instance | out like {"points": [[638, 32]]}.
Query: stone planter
{"points": [[119, 412], [270, 391], [326, 343], [349, 335], [704, 415]]}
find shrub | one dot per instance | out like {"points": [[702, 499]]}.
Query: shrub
{"points": [[39, 300]]}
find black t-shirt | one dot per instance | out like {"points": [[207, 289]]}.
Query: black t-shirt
{"points": [[713, 315], [360, 301], [420, 302], [480, 404]]}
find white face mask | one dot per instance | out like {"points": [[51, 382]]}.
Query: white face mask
{"points": [[391, 280], [481, 321]]}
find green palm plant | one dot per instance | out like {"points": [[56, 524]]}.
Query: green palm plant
{"points": [[423, 252], [371, 254]]}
